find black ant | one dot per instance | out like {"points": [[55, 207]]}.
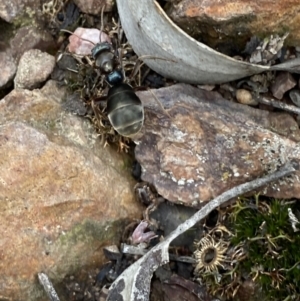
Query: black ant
{"points": [[124, 109]]}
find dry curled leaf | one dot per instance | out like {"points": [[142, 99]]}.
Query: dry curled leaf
{"points": [[268, 50], [184, 58]]}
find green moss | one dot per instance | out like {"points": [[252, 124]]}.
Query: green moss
{"points": [[271, 246], [127, 163], [84, 241], [90, 230], [262, 248], [25, 19]]}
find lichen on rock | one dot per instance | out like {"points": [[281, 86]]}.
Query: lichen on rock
{"points": [[210, 145]]}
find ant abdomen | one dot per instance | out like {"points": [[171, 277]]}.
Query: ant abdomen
{"points": [[125, 110]]}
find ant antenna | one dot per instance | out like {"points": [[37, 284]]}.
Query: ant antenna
{"points": [[120, 33], [72, 33], [83, 39], [101, 20]]}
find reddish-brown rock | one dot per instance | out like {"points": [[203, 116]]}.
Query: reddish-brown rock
{"points": [[62, 195], [210, 145], [284, 82], [219, 23]]}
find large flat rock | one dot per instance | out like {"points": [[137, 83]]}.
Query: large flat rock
{"points": [[62, 195], [210, 145]]}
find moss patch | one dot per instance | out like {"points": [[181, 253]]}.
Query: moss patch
{"points": [[82, 246], [263, 249], [271, 246]]}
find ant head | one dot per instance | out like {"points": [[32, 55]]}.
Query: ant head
{"points": [[100, 47], [115, 77], [104, 58]]}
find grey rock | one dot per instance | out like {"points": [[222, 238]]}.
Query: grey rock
{"points": [[295, 97], [31, 37], [7, 67], [245, 97], [34, 68]]}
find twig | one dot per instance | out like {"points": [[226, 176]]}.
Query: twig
{"points": [[48, 287], [277, 104], [133, 250], [285, 170]]}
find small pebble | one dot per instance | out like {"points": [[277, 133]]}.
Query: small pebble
{"points": [[245, 97], [206, 87], [295, 97], [283, 83]]}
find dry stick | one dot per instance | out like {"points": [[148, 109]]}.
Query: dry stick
{"points": [[133, 250], [136, 279], [48, 287], [277, 104]]}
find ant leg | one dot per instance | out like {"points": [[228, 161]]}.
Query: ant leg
{"points": [[160, 104], [140, 62], [120, 56], [137, 69], [120, 33]]}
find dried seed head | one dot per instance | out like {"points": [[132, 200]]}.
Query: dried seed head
{"points": [[209, 255]]}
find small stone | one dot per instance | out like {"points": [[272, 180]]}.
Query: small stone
{"points": [[283, 82], [94, 7], [7, 67], [256, 57], [112, 252], [245, 97], [295, 97], [206, 87], [227, 87], [31, 37], [34, 68]]}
